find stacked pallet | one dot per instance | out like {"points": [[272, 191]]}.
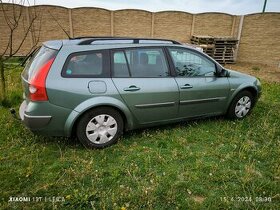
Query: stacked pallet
{"points": [[222, 49]]}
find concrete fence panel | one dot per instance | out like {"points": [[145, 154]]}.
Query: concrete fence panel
{"points": [[173, 25], [260, 39], [52, 22], [91, 22], [136, 23], [18, 33], [213, 24]]}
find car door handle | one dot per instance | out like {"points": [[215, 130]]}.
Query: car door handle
{"points": [[186, 86], [131, 88]]}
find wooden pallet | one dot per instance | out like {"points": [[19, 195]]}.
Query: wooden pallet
{"points": [[220, 48], [199, 40]]}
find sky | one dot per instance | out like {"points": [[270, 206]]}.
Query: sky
{"points": [[236, 7]]}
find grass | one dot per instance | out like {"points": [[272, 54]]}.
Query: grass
{"points": [[205, 164]]}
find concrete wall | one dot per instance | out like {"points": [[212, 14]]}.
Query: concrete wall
{"points": [[259, 41], [213, 24], [173, 25], [20, 31], [49, 18], [91, 21], [134, 23]]}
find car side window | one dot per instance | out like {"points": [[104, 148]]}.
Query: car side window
{"points": [[120, 66], [191, 64], [140, 62], [84, 64]]}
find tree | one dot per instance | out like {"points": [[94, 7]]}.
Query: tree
{"points": [[17, 18]]}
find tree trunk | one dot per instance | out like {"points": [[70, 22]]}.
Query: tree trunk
{"points": [[2, 81]]}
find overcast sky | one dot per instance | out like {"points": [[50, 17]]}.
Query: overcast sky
{"points": [[237, 7]]}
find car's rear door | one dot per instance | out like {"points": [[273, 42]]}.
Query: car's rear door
{"points": [[201, 92], [142, 77]]}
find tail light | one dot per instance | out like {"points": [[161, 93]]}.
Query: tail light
{"points": [[37, 85]]}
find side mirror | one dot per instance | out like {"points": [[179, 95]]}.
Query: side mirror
{"points": [[227, 73], [219, 69], [224, 73], [221, 72]]}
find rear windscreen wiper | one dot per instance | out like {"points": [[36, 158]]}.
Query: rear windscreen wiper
{"points": [[29, 55]]}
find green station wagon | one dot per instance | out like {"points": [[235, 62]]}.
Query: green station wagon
{"points": [[98, 87]]}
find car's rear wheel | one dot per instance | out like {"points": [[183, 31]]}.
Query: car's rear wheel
{"points": [[100, 127], [241, 105]]}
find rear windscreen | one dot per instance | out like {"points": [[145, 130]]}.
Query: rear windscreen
{"points": [[42, 56]]}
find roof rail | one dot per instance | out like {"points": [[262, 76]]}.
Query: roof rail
{"points": [[95, 37], [90, 40]]}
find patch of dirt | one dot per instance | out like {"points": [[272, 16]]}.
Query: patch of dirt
{"points": [[198, 199], [264, 72]]}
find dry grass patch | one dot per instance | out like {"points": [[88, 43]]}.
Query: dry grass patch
{"points": [[264, 72]]}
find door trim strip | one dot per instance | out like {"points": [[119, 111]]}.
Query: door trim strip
{"points": [[198, 101], [164, 104]]}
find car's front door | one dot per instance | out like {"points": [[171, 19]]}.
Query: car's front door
{"points": [[143, 80], [201, 92]]}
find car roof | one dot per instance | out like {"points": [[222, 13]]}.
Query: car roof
{"points": [[105, 40], [112, 43]]}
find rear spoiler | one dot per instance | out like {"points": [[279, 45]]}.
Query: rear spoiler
{"points": [[54, 44]]}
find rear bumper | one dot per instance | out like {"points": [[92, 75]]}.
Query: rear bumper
{"points": [[44, 118], [33, 122]]}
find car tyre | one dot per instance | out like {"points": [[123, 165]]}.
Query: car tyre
{"points": [[100, 127], [241, 105]]}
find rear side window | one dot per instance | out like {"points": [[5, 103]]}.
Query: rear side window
{"points": [[86, 64], [140, 62], [42, 56]]}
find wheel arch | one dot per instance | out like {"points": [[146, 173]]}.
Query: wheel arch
{"points": [[249, 88], [86, 106], [253, 91]]}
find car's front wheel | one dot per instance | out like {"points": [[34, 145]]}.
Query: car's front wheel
{"points": [[241, 105], [100, 127]]}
